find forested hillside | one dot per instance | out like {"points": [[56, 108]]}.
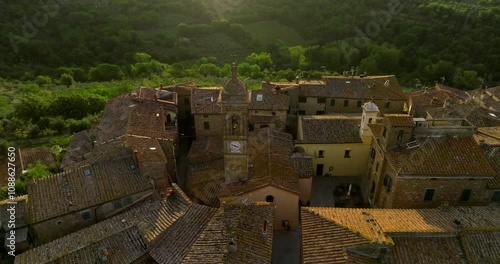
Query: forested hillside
{"points": [[419, 39]]}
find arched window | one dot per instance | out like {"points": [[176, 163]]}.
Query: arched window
{"points": [[269, 199]]}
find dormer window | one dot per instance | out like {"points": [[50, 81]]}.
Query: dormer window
{"points": [[259, 97]]}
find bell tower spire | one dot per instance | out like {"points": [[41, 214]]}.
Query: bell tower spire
{"points": [[234, 100]]}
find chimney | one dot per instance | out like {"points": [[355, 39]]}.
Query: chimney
{"points": [[297, 79], [161, 85], [136, 156]]}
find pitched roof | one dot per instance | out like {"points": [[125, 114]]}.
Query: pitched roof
{"points": [[329, 233], [33, 155], [124, 237], [437, 250], [435, 97], [398, 120], [205, 180], [488, 135], [270, 163], [206, 149], [493, 154], [478, 116], [302, 163], [244, 225], [330, 129], [267, 100], [481, 246], [204, 100], [80, 144], [370, 87], [182, 88], [443, 156], [71, 191], [20, 210]]}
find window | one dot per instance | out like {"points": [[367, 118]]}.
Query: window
{"points": [[347, 153], [373, 154], [302, 112], [376, 167], [332, 102], [465, 195], [387, 104], [400, 135], [321, 154], [273, 113], [496, 197], [359, 103], [429, 194], [259, 97], [320, 112], [186, 100], [321, 100], [127, 200], [370, 120], [117, 204], [346, 103], [302, 99], [269, 199], [205, 116], [385, 132], [86, 215], [206, 125], [388, 183]]}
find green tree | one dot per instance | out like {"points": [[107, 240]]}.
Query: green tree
{"points": [[66, 79], [43, 80], [263, 60], [31, 107], [466, 79], [106, 72]]}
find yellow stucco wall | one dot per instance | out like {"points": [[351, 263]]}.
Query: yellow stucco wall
{"points": [[333, 156], [287, 204]]}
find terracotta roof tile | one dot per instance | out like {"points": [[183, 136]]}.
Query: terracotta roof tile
{"points": [[427, 250], [478, 116], [397, 120], [371, 87], [205, 180], [33, 155], [126, 236], [204, 100], [80, 144], [435, 97], [268, 100], [241, 223], [270, 163], [302, 163], [206, 149], [460, 156], [493, 154], [481, 246], [330, 129], [21, 211], [72, 190]]}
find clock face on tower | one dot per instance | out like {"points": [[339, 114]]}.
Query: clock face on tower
{"points": [[235, 147]]}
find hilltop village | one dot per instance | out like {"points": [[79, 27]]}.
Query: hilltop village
{"points": [[346, 169]]}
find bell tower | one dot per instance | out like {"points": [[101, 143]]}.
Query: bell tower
{"points": [[370, 113], [234, 100]]}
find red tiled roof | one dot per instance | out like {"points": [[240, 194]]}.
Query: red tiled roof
{"points": [[204, 100], [444, 156], [397, 120], [269, 100], [71, 191], [33, 155], [330, 129]]}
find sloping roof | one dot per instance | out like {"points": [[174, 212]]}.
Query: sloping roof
{"points": [[435, 97], [478, 116], [429, 250], [206, 149], [20, 210], [302, 163], [71, 191], [324, 241], [270, 163], [268, 100], [370, 87], [4, 173], [330, 129], [204, 181], [33, 155], [493, 154], [488, 135], [182, 88], [241, 223], [204, 100], [398, 120], [481, 246], [125, 237], [80, 144], [417, 234], [443, 156]]}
